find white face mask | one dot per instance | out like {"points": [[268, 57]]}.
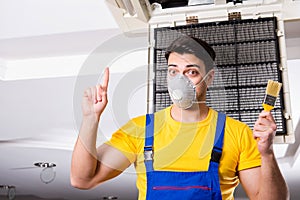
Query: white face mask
{"points": [[182, 91]]}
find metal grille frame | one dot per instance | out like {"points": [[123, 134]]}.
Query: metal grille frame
{"points": [[247, 55]]}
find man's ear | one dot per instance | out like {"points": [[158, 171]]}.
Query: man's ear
{"points": [[210, 77]]}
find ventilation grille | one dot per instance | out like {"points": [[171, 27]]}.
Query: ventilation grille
{"points": [[247, 56]]}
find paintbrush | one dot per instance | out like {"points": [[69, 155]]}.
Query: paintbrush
{"points": [[272, 92]]}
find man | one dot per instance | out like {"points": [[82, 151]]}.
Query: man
{"points": [[186, 151]]}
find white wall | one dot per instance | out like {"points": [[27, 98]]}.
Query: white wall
{"points": [[294, 84]]}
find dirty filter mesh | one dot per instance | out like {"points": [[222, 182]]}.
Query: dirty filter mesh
{"points": [[247, 56]]}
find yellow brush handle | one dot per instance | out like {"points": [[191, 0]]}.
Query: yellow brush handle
{"points": [[267, 107]]}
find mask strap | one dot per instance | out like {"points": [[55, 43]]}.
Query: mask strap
{"points": [[199, 101], [203, 79]]}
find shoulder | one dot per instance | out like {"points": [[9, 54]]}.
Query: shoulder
{"points": [[162, 113], [136, 125], [236, 126], [232, 125], [238, 134], [140, 120], [240, 137], [240, 145]]}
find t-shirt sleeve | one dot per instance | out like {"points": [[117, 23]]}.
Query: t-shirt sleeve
{"points": [[249, 155], [127, 138]]}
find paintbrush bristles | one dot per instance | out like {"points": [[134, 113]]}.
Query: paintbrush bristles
{"points": [[273, 88], [272, 91]]}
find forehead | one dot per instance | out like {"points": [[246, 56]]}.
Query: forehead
{"points": [[185, 59]]}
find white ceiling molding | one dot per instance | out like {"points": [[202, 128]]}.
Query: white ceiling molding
{"points": [[48, 67], [64, 44], [60, 139], [3, 69]]}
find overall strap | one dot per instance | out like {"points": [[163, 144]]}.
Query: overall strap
{"points": [[219, 136], [148, 148]]}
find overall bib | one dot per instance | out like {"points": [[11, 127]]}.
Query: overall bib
{"points": [[170, 185]]}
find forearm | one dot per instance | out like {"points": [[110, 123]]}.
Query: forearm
{"points": [[84, 158], [272, 183]]}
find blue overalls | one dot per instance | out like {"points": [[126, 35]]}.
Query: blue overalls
{"points": [[170, 185]]}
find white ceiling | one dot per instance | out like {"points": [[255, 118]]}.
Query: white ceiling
{"points": [[39, 117], [33, 28], [34, 18]]}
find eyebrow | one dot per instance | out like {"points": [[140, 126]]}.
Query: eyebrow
{"points": [[191, 65]]}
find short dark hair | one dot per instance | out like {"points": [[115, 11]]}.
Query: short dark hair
{"points": [[195, 46]]}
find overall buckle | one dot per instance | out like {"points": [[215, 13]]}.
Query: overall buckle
{"points": [[148, 153]]}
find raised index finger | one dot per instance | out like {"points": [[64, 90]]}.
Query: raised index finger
{"points": [[106, 78]]}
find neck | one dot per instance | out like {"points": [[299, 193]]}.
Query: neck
{"points": [[196, 113]]}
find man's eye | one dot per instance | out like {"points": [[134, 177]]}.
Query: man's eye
{"points": [[172, 72], [192, 72]]}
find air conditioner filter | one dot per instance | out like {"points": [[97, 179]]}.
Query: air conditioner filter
{"points": [[247, 56]]}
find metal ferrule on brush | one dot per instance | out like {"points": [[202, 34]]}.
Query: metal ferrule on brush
{"points": [[270, 100]]}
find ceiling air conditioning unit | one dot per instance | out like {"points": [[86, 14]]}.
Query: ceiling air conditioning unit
{"points": [[131, 15], [134, 16]]}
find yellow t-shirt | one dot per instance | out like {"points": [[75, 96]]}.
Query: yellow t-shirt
{"points": [[187, 147]]}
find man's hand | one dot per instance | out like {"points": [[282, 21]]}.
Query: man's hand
{"points": [[95, 99], [264, 131]]}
